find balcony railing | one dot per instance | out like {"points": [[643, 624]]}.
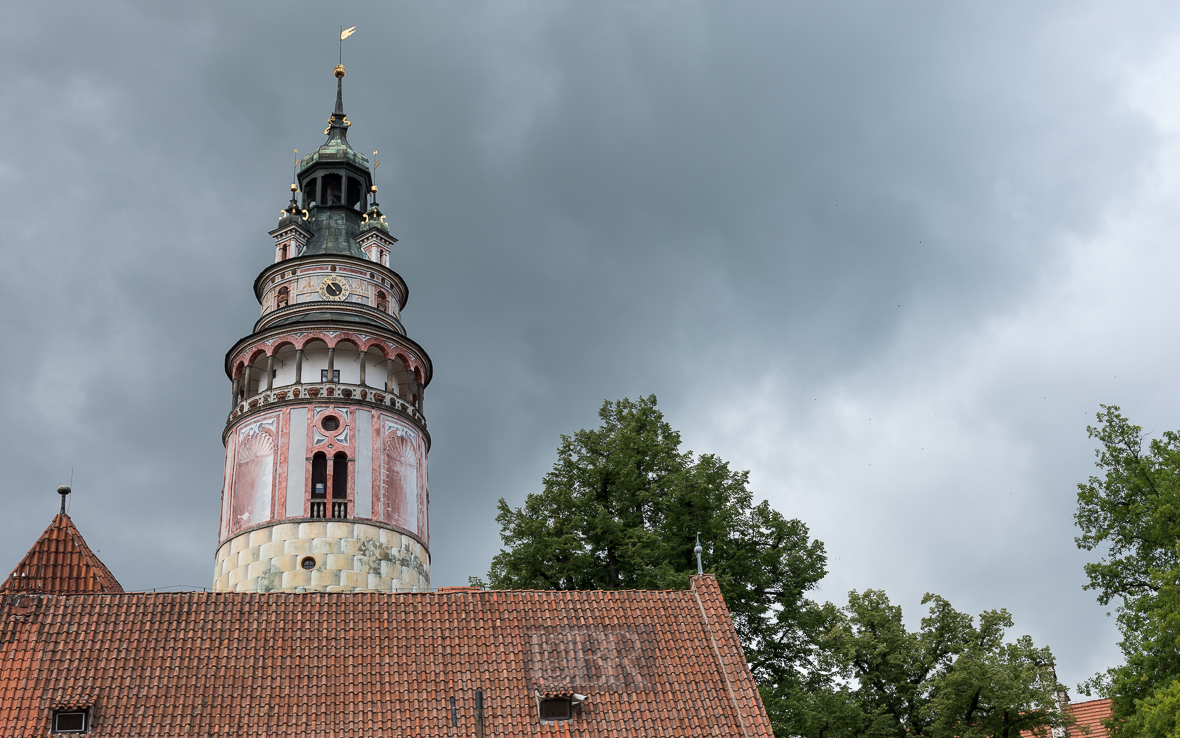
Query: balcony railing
{"points": [[323, 390], [319, 509]]}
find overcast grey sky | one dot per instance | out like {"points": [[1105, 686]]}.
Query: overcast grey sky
{"points": [[889, 257]]}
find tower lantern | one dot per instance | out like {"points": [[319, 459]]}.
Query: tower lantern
{"points": [[325, 485]]}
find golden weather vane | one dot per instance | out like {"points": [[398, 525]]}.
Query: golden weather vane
{"points": [[344, 33]]}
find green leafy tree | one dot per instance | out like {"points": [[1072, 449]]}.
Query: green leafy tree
{"points": [[949, 679], [1158, 714], [1131, 515], [621, 509]]}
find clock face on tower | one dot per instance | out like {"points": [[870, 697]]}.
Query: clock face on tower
{"points": [[333, 288]]}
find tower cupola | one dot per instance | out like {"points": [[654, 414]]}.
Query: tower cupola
{"points": [[335, 182]]}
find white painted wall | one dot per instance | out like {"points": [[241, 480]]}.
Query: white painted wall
{"points": [[315, 359], [347, 360], [285, 366]]}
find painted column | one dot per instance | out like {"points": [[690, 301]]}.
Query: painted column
{"points": [[270, 371], [299, 366]]}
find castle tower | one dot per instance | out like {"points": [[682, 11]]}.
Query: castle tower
{"points": [[325, 446]]}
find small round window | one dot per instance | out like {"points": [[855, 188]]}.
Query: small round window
{"points": [[330, 423], [308, 563]]}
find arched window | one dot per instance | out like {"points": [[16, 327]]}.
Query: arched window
{"points": [[354, 194], [382, 301], [284, 296], [333, 193], [340, 485], [319, 485]]}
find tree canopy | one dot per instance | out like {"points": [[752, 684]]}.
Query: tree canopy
{"points": [[1131, 516], [952, 678]]}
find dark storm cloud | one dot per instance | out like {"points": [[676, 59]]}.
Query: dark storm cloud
{"points": [[594, 200]]}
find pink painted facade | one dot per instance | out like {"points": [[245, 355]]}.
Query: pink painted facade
{"points": [[269, 459]]}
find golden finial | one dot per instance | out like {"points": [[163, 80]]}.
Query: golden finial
{"points": [[340, 72]]}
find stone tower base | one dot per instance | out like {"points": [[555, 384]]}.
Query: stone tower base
{"points": [[343, 557]]}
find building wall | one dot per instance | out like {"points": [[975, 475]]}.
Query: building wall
{"points": [[303, 285], [268, 469], [347, 557], [268, 480]]}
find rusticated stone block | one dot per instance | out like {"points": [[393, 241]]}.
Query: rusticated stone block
{"points": [[325, 578], [284, 563], [284, 532], [325, 546], [296, 578], [354, 579], [297, 546], [247, 556], [313, 530]]}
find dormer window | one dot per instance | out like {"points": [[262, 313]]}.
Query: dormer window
{"points": [[71, 721], [557, 708]]}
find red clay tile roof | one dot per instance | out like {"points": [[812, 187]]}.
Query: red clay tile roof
{"points": [[1089, 716], [273, 664], [60, 562]]}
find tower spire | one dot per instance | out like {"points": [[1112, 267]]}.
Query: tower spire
{"points": [[338, 124], [340, 72]]}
